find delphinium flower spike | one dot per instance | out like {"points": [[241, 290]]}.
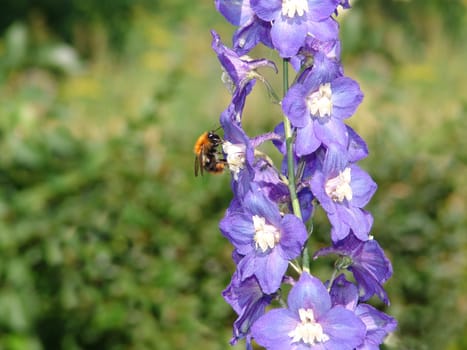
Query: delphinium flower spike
{"points": [[269, 221]]}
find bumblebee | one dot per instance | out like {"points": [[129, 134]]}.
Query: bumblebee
{"points": [[208, 157]]}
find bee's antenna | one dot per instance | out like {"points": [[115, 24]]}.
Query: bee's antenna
{"points": [[219, 127]]}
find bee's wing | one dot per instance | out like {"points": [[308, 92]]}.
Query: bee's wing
{"points": [[196, 165], [199, 167]]}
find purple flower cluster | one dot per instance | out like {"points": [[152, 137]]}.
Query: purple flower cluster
{"points": [[267, 219]]}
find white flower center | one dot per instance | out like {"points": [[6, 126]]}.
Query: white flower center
{"points": [[338, 188], [235, 157], [290, 7], [320, 102], [266, 236], [308, 331]]}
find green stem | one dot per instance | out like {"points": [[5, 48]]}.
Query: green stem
{"points": [[290, 163], [289, 146]]}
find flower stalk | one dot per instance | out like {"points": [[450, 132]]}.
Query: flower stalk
{"points": [[289, 146]]}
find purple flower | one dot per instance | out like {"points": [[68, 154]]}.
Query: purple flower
{"points": [[293, 20], [241, 71], [254, 31], [309, 322], [239, 75], [272, 185], [342, 191], [317, 105], [248, 301], [330, 49], [237, 147], [344, 293], [370, 267], [378, 324], [245, 163], [266, 239]]}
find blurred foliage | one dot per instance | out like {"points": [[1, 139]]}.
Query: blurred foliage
{"points": [[413, 17], [66, 18], [109, 242], [22, 50]]}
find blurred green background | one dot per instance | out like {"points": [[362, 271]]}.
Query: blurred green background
{"points": [[107, 241]]}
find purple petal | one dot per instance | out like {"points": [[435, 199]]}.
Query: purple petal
{"points": [[309, 292], [238, 68], [363, 187], [368, 285], [238, 228], [258, 204], [293, 237], [321, 9], [269, 270], [327, 30], [345, 330], [305, 198], [306, 141], [335, 160], [246, 267], [239, 294], [374, 260], [317, 185], [339, 229], [370, 265], [233, 132], [267, 10], [280, 144], [371, 268], [346, 96], [378, 325], [344, 293], [294, 106], [357, 148], [356, 218], [236, 12], [271, 330], [250, 34], [331, 131], [248, 301], [288, 35], [323, 71]]}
